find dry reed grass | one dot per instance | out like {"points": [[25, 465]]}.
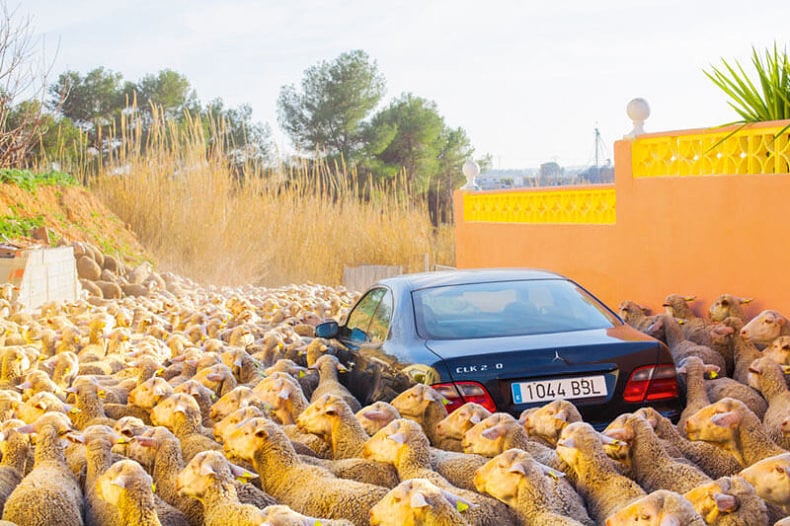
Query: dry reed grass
{"points": [[182, 200]]}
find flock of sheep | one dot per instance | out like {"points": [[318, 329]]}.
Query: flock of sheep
{"points": [[186, 405]]}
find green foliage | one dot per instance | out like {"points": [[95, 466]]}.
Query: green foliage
{"points": [[90, 101], [28, 180], [167, 89], [12, 227], [767, 98], [326, 115]]}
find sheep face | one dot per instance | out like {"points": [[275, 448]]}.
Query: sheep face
{"points": [[717, 422], [150, 392], [249, 437], [375, 416], [454, 425], [486, 437], [238, 397], [414, 502], [413, 402], [166, 412], [713, 499], [500, 476], [203, 474], [771, 479], [659, 508], [764, 328], [779, 350], [317, 418], [385, 445], [230, 422], [548, 420], [122, 477]]}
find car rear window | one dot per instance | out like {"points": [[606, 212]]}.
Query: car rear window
{"points": [[507, 308]]}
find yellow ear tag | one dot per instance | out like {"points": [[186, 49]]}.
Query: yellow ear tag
{"points": [[445, 401], [102, 393], [122, 440], [713, 375], [461, 506], [553, 475], [302, 374], [68, 370], [75, 410], [242, 480], [317, 523], [159, 372]]}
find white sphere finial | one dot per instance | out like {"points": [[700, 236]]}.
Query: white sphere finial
{"points": [[470, 170], [638, 110]]}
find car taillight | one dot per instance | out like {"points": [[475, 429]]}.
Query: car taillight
{"points": [[650, 383], [458, 393]]}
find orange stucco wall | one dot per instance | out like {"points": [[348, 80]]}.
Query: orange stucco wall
{"points": [[700, 236]]}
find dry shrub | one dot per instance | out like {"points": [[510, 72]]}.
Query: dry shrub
{"points": [[278, 227]]}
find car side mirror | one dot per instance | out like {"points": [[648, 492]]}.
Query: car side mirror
{"points": [[328, 329]]}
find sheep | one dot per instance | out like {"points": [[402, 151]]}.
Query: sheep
{"points": [[308, 378], [765, 328], [36, 500], [89, 407], [229, 423], [771, 480], [635, 315], [311, 490], [419, 501], [218, 377], [282, 515], [712, 460], [538, 494], [659, 508], [424, 405], [652, 467], [724, 387], [404, 444], [128, 488], [693, 369], [680, 346], [728, 501], [376, 415], [779, 350], [500, 432], [597, 480], [547, 421], [451, 428], [204, 396], [241, 396], [180, 413], [99, 440], [328, 367], [726, 305], [731, 426], [15, 448], [208, 478], [768, 377]]}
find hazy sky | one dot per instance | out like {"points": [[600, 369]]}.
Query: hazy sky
{"points": [[529, 80]]}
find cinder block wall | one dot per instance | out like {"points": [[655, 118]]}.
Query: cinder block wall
{"points": [[697, 212]]}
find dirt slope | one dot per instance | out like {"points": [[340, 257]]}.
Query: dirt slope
{"points": [[70, 213]]}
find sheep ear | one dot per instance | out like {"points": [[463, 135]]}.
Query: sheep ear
{"points": [[728, 419], [518, 467], [418, 500], [240, 472], [214, 377], [475, 419], [551, 472], [430, 395], [398, 437], [159, 390], [710, 368], [118, 481], [618, 433], [284, 393], [610, 441], [207, 470], [374, 415], [492, 433], [670, 520], [725, 502], [568, 442], [180, 408]]}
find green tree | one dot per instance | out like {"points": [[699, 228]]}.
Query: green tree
{"points": [[233, 132], [92, 101], [326, 115], [52, 139], [417, 139], [167, 90], [455, 150]]}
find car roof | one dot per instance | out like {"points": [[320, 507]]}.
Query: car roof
{"points": [[422, 280]]}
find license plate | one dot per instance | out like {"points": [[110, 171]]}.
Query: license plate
{"points": [[567, 388]]}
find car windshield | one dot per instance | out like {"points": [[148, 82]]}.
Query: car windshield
{"points": [[507, 308]]}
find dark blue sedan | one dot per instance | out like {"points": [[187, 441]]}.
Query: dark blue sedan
{"points": [[508, 339]]}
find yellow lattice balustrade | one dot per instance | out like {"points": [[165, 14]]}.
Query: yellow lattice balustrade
{"points": [[752, 151], [567, 206]]}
